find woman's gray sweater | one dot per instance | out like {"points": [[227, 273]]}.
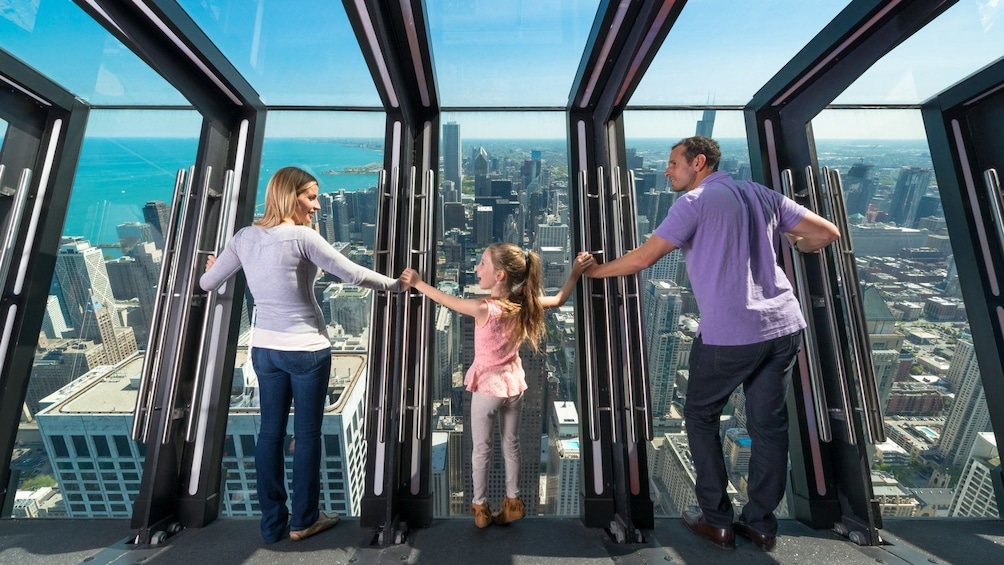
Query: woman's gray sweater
{"points": [[280, 265]]}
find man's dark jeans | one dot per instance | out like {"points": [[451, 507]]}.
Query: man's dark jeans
{"points": [[764, 370]]}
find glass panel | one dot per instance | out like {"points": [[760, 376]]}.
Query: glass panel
{"points": [[959, 42], [89, 353], [300, 52], [670, 311], [938, 458], [491, 53], [344, 151], [505, 179], [62, 42], [707, 38]]}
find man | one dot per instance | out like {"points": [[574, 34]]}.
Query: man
{"points": [[729, 232]]}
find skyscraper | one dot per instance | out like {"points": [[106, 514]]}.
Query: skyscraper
{"points": [[452, 161], [484, 226], [87, 425], [975, 494], [349, 306], [554, 233], [132, 234], [968, 415], [482, 185], [82, 277], [911, 185], [661, 311], [563, 463], [158, 214], [706, 125], [859, 188]]}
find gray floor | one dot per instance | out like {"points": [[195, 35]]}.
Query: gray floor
{"points": [[529, 541]]}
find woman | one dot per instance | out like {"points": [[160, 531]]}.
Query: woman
{"points": [[290, 350]]}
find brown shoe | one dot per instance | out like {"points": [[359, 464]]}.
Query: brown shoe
{"points": [[323, 522], [482, 515], [720, 537], [512, 509], [763, 541]]}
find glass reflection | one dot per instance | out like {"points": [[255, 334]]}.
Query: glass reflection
{"points": [[74, 453], [488, 53], [940, 449], [296, 52], [731, 72], [99, 68], [965, 38]]}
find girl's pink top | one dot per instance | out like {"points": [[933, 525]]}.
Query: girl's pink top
{"points": [[497, 369]]}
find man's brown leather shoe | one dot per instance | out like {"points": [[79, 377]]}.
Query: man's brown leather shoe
{"points": [[721, 537], [763, 541]]}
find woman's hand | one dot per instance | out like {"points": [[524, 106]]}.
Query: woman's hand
{"points": [[210, 260], [410, 277]]}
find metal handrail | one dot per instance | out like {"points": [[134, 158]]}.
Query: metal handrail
{"points": [[641, 375], [388, 309], [208, 327], [996, 200], [151, 358], [831, 315], [858, 330], [185, 303], [20, 198], [381, 193], [619, 248], [426, 309], [587, 312], [600, 189], [818, 392], [402, 350]]}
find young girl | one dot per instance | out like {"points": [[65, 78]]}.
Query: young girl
{"points": [[514, 313]]}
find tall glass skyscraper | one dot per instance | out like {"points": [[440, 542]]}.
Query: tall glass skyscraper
{"points": [[452, 161]]}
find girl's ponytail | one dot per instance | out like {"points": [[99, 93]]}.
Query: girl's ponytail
{"points": [[524, 280]]}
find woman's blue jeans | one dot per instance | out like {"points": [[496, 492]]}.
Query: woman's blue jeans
{"points": [[285, 377], [764, 370]]}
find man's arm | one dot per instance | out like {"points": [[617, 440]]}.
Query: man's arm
{"points": [[582, 262], [635, 260], [812, 233]]}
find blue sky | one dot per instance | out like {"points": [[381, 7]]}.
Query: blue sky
{"points": [[502, 53]]}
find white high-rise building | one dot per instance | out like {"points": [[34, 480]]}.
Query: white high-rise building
{"points": [[551, 234], [974, 496], [83, 279], [86, 427], [563, 464], [349, 306], [968, 415], [440, 474], [54, 322], [661, 311], [569, 469]]}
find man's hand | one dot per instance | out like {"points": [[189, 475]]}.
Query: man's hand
{"points": [[582, 263]]}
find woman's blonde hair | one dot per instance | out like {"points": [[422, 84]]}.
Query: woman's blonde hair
{"points": [[280, 195], [524, 283]]}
